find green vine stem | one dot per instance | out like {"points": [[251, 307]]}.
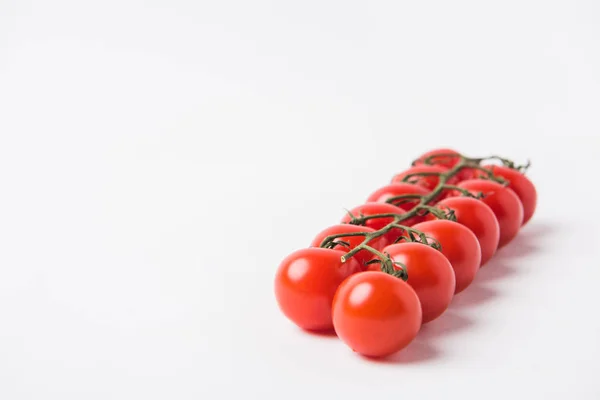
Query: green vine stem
{"points": [[463, 191], [437, 212], [329, 239], [403, 198], [505, 161], [475, 161], [387, 264], [407, 177]]}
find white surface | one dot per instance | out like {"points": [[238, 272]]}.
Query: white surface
{"points": [[158, 159]]}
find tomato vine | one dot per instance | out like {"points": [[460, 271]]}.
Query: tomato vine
{"points": [[423, 207]]}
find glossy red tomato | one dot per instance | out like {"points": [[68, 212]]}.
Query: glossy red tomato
{"points": [[427, 181], [378, 223], [459, 245], [447, 158], [522, 187], [376, 314], [479, 218], [362, 256], [430, 274], [504, 203], [306, 282], [398, 189]]}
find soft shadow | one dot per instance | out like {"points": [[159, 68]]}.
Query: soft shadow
{"points": [[527, 241], [538, 229], [492, 271], [329, 334], [420, 350], [447, 323], [416, 352], [474, 295], [522, 245]]}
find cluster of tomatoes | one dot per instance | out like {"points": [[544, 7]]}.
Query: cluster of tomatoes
{"points": [[395, 262]]}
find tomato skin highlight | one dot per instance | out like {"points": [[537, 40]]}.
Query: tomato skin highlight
{"points": [[362, 256], [519, 184], [459, 245], [479, 218], [430, 274], [505, 204], [306, 282], [373, 208], [398, 189], [376, 314]]}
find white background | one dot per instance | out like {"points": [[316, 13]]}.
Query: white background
{"points": [[159, 158]]}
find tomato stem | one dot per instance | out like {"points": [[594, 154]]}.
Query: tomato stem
{"points": [[429, 160], [407, 177], [423, 205], [474, 161], [331, 238], [403, 198], [438, 212], [422, 237], [490, 175], [364, 218], [387, 264], [505, 161], [463, 191]]}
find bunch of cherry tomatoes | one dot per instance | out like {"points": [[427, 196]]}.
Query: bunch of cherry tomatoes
{"points": [[395, 262]]}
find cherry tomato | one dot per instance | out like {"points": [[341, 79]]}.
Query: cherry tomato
{"points": [[398, 189], [430, 274], [479, 218], [504, 203], [362, 256], [449, 159], [378, 223], [522, 187], [376, 314], [306, 282], [459, 245], [427, 181], [446, 160]]}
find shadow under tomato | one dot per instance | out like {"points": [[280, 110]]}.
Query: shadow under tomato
{"points": [[519, 247], [527, 241], [448, 323], [328, 334], [416, 352], [479, 292], [500, 267], [493, 271], [474, 295], [538, 229]]}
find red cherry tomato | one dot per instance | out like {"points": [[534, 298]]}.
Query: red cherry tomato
{"points": [[306, 282], [448, 158], [362, 256], [398, 189], [430, 274], [504, 203], [427, 181], [378, 223], [376, 314], [479, 218], [459, 245], [522, 187]]}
